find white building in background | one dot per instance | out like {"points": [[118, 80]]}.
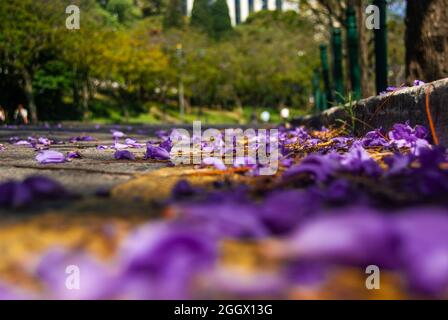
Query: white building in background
{"points": [[258, 6]]}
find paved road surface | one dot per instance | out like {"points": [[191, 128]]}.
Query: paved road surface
{"points": [[96, 170]]}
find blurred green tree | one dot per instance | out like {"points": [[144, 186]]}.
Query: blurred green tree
{"points": [[174, 16], [201, 16], [221, 23], [28, 29], [125, 10]]}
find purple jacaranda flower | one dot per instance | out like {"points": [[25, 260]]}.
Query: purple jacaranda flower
{"points": [[427, 179], [119, 146], [162, 134], [357, 160], [44, 141], [306, 274], [246, 161], [102, 147], [403, 135], [432, 158], [157, 153], [282, 211], [124, 155], [23, 143], [374, 139], [117, 134], [130, 141], [90, 279], [182, 189], [287, 162], [215, 162], [398, 163], [133, 143], [391, 89], [301, 133], [224, 219], [230, 283], [81, 139], [167, 144], [13, 140], [430, 183], [9, 292], [45, 188], [321, 167], [342, 142], [423, 254], [160, 261], [354, 236], [419, 146], [50, 156], [32, 140], [15, 195], [73, 155], [338, 192], [418, 83], [314, 141]]}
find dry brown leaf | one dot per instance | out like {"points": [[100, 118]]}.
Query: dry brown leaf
{"points": [[158, 184]]}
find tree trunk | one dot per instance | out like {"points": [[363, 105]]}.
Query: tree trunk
{"points": [[30, 95], [426, 40], [367, 88], [85, 99]]}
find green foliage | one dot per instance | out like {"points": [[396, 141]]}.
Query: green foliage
{"points": [[201, 16], [173, 17], [119, 63], [125, 11], [54, 75], [221, 23], [31, 30]]}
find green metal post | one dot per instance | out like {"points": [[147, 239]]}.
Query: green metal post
{"points": [[338, 73], [279, 5], [184, 8], [353, 53], [237, 12], [323, 101], [264, 5], [381, 68], [251, 6], [325, 73], [316, 91], [180, 56]]}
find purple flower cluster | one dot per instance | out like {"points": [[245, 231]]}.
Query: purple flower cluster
{"points": [[15, 194], [40, 143], [81, 139], [389, 89], [124, 155], [337, 207], [157, 152]]}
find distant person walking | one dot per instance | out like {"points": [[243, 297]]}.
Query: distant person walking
{"points": [[2, 115], [21, 115]]}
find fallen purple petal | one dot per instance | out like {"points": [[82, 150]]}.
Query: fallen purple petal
{"points": [[50, 156], [124, 155]]}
